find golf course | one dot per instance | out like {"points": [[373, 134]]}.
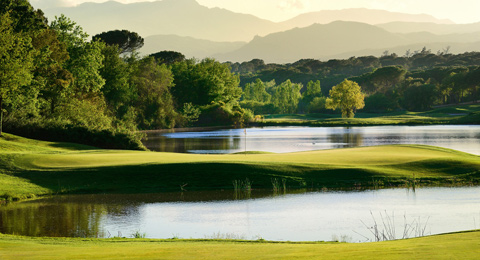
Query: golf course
{"points": [[31, 169]]}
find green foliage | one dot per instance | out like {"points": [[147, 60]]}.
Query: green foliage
{"points": [[313, 91], [125, 40], [116, 73], [154, 102], [24, 17], [168, 57], [204, 82], [58, 130], [258, 108], [419, 97], [189, 114], [317, 105], [347, 96], [256, 92], [286, 97], [88, 113], [85, 57], [379, 102], [16, 63]]}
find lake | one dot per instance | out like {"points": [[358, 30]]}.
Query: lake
{"points": [[298, 216], [294, 139]]}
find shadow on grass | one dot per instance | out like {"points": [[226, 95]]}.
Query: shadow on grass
{"points": [[197, 176]]}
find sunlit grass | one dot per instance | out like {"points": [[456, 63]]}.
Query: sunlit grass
{"points": [[449, 246], [31, 168]]}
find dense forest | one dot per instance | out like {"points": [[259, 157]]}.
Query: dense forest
{"points": [[415, 81], [58, 83]]}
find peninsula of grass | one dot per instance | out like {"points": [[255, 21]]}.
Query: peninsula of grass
{"points": [[461, 114], [463, 245], [30, 168]]}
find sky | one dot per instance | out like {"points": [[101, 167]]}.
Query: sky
{"points": [[458, 11]]}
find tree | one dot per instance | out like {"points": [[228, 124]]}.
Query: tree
{"points": [[384, 78], [23, 17], [256, 92], [286, 97], [125, 40], [204, 83], [347, 96], [116, 72], [313, 91], [419, 97], [85, 57], [52, 79], [16, 62], [154, 101], [168, 57]]}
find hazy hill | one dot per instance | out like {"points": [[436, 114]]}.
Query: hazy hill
{"points": [[410, 27], [337, 39], [363, 15], [188, 46], [188, 18], [315, 41], [180, 17], [455, 48]]}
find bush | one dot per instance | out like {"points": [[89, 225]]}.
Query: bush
{"points": [[317, 105], [258, 107], [62, 131]]}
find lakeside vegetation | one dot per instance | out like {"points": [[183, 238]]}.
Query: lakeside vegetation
{"points": [[31, 168], [462, 245], [445, 115]]}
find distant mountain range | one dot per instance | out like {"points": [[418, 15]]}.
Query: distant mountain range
{"points": [[337, 39], [179, 17], [188, 46], [198, 31], [188, 18], [359, 15]]}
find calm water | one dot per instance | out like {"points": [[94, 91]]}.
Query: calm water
{"points": [[297, 217], [293, 139]]}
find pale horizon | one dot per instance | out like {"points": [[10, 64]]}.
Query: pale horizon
{"points": [[464, 11]]}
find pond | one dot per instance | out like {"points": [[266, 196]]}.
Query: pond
{"points": [[297, 216], [294, 139]]}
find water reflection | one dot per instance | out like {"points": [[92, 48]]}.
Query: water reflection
{"points": [[296, 216], [294, 139]]}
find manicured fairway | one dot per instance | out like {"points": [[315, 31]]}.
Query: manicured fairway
{"points": [[450, 246], [30, 168]]}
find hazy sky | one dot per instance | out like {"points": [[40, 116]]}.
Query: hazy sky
{"points": [[459, 11]]}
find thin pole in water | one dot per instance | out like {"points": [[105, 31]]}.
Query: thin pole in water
{"points": [[245, 131]]}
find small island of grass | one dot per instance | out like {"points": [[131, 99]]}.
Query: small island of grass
{"points": [[31, 168]]}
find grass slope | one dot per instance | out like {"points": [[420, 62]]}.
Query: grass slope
{"points": [[29, 168], [464, 245], [460, 114]]}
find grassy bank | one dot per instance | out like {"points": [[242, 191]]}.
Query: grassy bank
{"points": [[461, 114], [30, 168], [464, 245]]}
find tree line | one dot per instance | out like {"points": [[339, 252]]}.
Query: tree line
{"points": [[415, 82], [55, 81]]}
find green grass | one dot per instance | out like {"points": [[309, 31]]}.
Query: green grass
{"points": [[30, 168], [461, 114], [464, 245]]}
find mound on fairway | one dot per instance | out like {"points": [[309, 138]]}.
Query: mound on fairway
{"points": [[30, 168]]}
